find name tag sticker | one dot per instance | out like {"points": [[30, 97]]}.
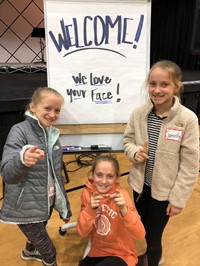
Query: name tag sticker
{"points": [[173, 134], [51, 191]]}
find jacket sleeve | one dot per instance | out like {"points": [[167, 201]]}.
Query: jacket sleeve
{"points": [[12, 168], [188, 165], [86, 217], [132, 221], [130, 145]]}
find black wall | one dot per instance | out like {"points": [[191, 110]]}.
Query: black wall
{"points": [[173, 29], [195, 45], [15, 92]]}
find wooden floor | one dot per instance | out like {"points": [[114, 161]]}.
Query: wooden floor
{"points": [[181, 239]]}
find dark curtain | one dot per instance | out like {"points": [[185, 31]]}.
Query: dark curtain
{"points": [[172, 23]]}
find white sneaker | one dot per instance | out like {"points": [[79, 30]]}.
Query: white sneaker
{"points": [[162, 260]]}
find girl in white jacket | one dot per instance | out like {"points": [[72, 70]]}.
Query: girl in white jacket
{"points": [[162, 141]]}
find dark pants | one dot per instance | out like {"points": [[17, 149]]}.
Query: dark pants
{"points": [[154, 218], [102, 261], [37, 234]]}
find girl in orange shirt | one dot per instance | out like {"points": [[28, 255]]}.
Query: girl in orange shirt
{"points": [[109, 217]]}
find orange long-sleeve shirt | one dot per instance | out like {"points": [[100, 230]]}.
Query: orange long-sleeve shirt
{"points": [[111, 234]]}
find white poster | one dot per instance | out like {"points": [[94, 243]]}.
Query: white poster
{"points": [[97, 58]]}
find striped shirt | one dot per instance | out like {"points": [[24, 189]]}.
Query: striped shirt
{"points": [[154, 124]]}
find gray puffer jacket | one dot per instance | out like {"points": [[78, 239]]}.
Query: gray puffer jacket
{"points": [[26, 188]]}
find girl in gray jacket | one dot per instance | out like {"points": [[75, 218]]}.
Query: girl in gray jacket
{"points": [[162, 141], [31, 170]]}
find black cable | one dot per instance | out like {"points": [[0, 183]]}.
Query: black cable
{"points": [[86, 159], [70, 162], [82, 160], [126, 173]]}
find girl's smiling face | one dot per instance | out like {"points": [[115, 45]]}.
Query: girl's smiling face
{"points": [[104, 176], [161, 87], [47, 110]]}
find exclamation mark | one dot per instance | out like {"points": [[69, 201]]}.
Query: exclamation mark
{"points": [[118, 99], [139, 30]]}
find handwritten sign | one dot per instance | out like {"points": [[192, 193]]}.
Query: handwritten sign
{"points": [[97, 58]]}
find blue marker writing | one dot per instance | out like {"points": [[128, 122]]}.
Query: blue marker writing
{"points": [[71, 148], [139, 30]]}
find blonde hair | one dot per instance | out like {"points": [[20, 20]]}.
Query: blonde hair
{"points": [[39, 93], [175, 73]]}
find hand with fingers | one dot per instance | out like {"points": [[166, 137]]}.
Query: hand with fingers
{"points": [[95, 200], [118, 198], [172, 210], [32, 155], [142, 154]]}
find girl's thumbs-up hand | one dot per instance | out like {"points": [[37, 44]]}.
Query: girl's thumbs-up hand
{"points": [[142, 154]]}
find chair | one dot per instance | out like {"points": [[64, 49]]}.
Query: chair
{"points": [[63, 229]]}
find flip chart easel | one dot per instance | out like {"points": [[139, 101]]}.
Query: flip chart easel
{"points": [[97, 58]]}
